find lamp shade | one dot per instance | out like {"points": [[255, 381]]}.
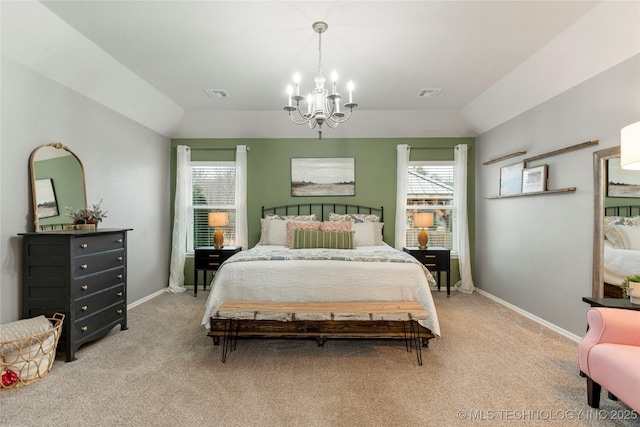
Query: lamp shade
{"points": [[218, 219], [423, 219], [630, 146]]}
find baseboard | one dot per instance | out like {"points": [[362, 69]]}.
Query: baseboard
{"points": [[536, 319], [145, 299]]}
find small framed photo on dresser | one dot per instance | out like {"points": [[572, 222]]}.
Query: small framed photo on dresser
{"points": [[534, 180]]}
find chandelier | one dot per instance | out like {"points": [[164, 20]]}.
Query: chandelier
{"points": [[322, 107]]}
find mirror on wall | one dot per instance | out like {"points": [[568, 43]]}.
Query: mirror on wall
{"points": [[617, 202], [57, 183]]}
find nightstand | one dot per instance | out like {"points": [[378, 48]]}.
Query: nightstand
{"points": [[208, 258], [435, 259]]}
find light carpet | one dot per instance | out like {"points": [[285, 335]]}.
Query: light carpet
{"points": [[492, 366]]}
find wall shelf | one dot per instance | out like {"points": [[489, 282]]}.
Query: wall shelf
{"points": [[537, 193], [508, 156], [561, 151]]}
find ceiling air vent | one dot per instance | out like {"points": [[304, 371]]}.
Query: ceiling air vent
{"points": [[216, 93], [429, 93]]}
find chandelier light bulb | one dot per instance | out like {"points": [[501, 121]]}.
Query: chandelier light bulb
{"points": [[296, 80], [322, 107]]}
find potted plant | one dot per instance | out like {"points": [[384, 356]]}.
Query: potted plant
{"points": [[92, 215], [95, 214], [631, 288]]}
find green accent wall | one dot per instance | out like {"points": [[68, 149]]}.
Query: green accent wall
{"points": [[269, 174]]}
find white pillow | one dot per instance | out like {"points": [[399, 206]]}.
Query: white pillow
{"points": [[632, 235], [616, 236], [274, 231], [368, 233]]}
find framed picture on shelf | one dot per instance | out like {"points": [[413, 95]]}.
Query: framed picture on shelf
{"points": [[511, 179], [534, 180]]}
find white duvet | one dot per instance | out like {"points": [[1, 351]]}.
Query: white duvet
{"points": [[619, 263], [324, 280]]}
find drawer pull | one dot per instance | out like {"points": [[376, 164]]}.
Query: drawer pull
{"points": [[84, 308], [119, 276], [429, 256], [84, 329], [84, 246], [120, 258], [84, 266], [430, 265], [119, 241], [214, 256], [119, 312], [119, 294], [84, 287], [214, 264]]}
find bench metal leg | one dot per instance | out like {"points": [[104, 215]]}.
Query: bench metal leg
{"points": [[413, 339], [229, 337]]}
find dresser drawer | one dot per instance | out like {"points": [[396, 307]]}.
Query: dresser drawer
{"points": [[87, 326], [85, 245], [87, 285], [89, 264], [433, 259], [211, 259], [97, 301]]}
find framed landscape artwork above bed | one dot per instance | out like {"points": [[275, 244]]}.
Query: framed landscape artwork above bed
{"points": [[323, 176], [622, 182]]}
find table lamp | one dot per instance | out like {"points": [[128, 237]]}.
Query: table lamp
{"points": [[218, 219], [423, 219]]}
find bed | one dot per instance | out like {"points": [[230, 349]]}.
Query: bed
{"points": [[621, 247], [287, 266]]}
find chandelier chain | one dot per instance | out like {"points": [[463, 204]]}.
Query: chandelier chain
{"points": [[320, 53]]}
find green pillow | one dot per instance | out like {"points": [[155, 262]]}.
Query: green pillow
{"points": [[305, 239]]}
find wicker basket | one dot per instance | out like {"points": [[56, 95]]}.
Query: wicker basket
{"points": [[30, 358]]}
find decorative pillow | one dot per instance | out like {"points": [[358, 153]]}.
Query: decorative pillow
{"points": [[304, 239], [632, 235], [368, 233], [274, 232], [300, 225], [622, 220], [311, 217], [617, 237], [336, 226], [353, 217]]}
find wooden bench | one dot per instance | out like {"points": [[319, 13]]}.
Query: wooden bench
{"points": [[322, 320]]}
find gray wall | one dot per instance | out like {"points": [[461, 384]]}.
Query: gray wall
{"points": [[536, 252], [126, 165]]}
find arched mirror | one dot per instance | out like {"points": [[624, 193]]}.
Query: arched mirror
{"points": [[617, 202], [57, 183]]}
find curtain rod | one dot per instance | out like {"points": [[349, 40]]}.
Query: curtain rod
{"points": [[436, 147], [216, 149]]}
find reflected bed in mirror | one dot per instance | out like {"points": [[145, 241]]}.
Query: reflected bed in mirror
{"points": [[57, 183], [616, 248]]}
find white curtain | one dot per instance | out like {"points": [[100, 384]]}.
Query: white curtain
{"points": [[401, 195], [181, 208], [461, 223], [242, 238]]}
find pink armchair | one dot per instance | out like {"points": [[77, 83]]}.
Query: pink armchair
{"points": [[609, 355]]}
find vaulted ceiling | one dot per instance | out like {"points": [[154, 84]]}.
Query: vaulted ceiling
{"points": [[153, 60]]}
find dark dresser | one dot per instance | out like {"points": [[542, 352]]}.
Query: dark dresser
{"points": [[82, 274]]}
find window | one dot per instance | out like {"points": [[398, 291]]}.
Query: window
{"points": [[430, 189], [213, 187]]}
